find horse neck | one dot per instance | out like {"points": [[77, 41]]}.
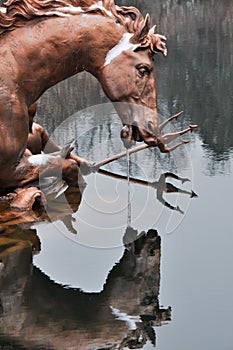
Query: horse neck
{"points": [[100, 34], [66, 46]]}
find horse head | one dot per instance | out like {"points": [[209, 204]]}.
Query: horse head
{"points": [[128, 79]]}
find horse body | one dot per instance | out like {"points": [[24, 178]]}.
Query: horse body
{"points": [[53, 50], [65, 41], [36, 59]]}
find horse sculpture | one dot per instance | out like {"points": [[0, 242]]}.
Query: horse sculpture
{"points": [[43, 42]]}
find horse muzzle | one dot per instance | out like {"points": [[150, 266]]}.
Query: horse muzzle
{"points": [[132, 133]]}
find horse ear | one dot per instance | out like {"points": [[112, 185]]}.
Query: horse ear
{"points": [[143, 29]]}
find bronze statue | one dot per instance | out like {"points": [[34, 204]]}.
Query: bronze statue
{"points": [[45, 42]]}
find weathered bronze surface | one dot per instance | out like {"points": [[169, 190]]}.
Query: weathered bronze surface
{"points": [[42, 44]]}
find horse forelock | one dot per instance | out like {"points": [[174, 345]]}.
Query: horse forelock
{"points": [[18, 12]]}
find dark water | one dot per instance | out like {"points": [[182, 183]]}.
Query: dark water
{"points": [[92, 284]]}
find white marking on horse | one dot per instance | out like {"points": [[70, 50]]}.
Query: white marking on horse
{"points": [[123, 45], [3, 9], [65, 11], [99, 5]]}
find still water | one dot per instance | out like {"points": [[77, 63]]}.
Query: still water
{"points": [[160, 274]]}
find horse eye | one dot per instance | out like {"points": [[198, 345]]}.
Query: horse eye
{"points": [[143, 70]]}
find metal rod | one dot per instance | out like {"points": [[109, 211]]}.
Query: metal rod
{"points": [[97, 165]]}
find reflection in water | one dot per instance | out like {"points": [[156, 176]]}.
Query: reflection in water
{"points": [[50, 316], [161, 186], [129, 209], [60, 208]]}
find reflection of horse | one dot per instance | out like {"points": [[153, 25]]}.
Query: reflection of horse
{"points": [[60, 208], [44, 42], [51, 316]]}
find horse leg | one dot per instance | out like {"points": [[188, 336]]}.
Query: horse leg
{"points": [[71, 174], [67, 169], [15, 170]]}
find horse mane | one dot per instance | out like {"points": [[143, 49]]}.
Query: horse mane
{"points": [[16, 13]]}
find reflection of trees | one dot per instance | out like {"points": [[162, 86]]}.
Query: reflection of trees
{"points": [[195, 77], [96, 130], [73, 94], [50, 316], [199, 70]]}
